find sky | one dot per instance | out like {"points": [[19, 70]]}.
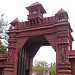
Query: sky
{"points": [[16, 8]]}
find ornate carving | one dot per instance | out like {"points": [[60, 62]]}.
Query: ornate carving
{"points": [[62, 40], [63, 55], [10, 59], [63, 52]]}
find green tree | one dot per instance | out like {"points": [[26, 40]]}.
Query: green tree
{"points": [[3, 35], [40, 67], [3, 28], [3, 49], [52, 69]]}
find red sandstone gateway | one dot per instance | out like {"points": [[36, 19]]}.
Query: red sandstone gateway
{"points": [[25, 38]]}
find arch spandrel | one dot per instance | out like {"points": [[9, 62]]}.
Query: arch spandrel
{"points": [[20, 43], [52, 40]]}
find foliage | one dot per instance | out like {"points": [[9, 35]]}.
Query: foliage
{"points": [[3, 35], [3, 27], [41, 67], [3, 49], [52, 69]]}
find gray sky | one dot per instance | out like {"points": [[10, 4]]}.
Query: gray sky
{"points": [[16, 8]]}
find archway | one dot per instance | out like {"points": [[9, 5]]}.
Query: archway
{"points": [[27, 53], [25, 38]]}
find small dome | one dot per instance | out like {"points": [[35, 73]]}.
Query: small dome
{"points": [[61, 11], [35, 6], [15, 20], [36, 3]]}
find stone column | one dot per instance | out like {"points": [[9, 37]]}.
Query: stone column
{"points": [[62, 55], [19, 45]]}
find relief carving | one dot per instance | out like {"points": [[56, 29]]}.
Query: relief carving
{"points": [[62, 39], [63, 52], [10, 57]]}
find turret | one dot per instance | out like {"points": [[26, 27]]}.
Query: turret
{"points": [[61, 15], [15, 22], [36, 12]]}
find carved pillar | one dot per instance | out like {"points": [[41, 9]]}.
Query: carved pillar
{"points": [[20, 43], [10, 60], [62, 54], [12, 48]]}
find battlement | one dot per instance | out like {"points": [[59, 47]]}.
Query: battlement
{"points": [[47, 21], [44, 21]]}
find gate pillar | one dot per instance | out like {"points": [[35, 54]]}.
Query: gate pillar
{"points": [[15, 45], [60, 41], [19, 45], [62, 53]]}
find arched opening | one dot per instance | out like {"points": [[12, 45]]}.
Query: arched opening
{"points": [[46, 58], [45, 53], [27, 53]]}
